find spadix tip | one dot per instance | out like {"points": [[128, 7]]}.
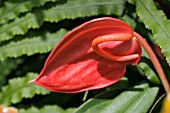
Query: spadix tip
{"points": [[31, 81]]}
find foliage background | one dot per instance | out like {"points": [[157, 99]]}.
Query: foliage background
{"points": [[29, 30]]}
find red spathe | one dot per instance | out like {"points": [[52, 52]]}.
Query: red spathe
{"points": [[73, 66]]}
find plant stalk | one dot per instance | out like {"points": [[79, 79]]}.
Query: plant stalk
{"points": [[154, 60]]}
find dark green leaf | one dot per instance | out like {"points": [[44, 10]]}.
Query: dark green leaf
{"points": [[145, 68], [6, 67], [157, 106]]}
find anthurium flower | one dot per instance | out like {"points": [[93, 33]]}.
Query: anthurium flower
{"points": [[92, 56]]}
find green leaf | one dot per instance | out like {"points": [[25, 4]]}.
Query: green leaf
{"points": [[12, 9], [121, 84], [131, 22], [47, 109], [20, 26], [158, 104], [86, 8], [4, 71], [19, 88], [70, 110], [138, 99], [159, 25], [70, 10], [145, 68], [30, 46]]}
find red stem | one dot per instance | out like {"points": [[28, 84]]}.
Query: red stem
{"points": [[154, 60]]}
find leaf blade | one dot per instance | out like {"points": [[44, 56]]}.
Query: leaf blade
{"points": [[47, 109], [126, 102], [18, 88], [70, 10], [159, 25], [30, 46], [11, 10]]}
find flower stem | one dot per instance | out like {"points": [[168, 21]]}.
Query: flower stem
{"points": [[154, 61]]}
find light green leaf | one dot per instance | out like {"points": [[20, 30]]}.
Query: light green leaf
{"points": [[47, 109], [30, 46], [159, 25], [138, 98], [70, 10], [19, 88], [12, 9]]}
